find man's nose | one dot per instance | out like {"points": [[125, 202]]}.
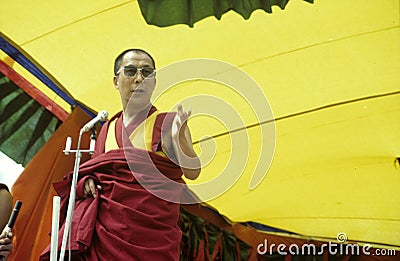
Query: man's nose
{"points": [[139, 77]]}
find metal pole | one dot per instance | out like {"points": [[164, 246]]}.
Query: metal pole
{"points": [[54, 228], [71, 202]]}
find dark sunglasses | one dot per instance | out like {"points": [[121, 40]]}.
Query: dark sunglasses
{"points": [[130, 71]]}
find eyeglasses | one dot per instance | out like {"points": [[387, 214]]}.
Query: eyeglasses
{"points": [[130, 71]]}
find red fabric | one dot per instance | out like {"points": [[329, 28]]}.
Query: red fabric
{"points": [[162, 125], [217, 253], [200, 252], [126, 221]]}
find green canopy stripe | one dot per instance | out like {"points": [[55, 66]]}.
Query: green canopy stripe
{"points": [[25, 125], [164, 13]]}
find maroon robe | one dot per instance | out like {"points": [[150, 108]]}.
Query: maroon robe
{"points": [[126, 221]]}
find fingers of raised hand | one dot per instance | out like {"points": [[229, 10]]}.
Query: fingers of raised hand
{"points": [[182, 116]]}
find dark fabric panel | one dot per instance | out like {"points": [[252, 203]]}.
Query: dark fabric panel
{"points": [[202, 240], [25, 126], [170, 12]]}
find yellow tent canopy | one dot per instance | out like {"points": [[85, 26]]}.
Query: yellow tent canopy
{"points": [[328, 128]]}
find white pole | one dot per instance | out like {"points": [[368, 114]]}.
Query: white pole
{"points": [[71, 201], [54, 228]]}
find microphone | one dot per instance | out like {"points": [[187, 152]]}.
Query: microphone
{"points": [[102, 116], [13, 217]]}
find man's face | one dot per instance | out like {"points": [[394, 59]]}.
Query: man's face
{"points": [[137, 88]]}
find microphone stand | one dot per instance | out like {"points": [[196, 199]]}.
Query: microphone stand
{"points": [[71, 203]]}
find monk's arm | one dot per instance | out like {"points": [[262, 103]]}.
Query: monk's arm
{"points": [[178, 145], [189, 162]]}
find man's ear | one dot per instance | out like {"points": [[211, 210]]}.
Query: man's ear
{"points": [[115, 80]]}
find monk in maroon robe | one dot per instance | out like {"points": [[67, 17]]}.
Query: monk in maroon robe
{"points": [[128, 194]]}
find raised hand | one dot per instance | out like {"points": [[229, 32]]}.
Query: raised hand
{"points": [[182, 144]]}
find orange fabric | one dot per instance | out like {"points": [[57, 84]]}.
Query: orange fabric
{"points": [[200, 252], [34, 188]]}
